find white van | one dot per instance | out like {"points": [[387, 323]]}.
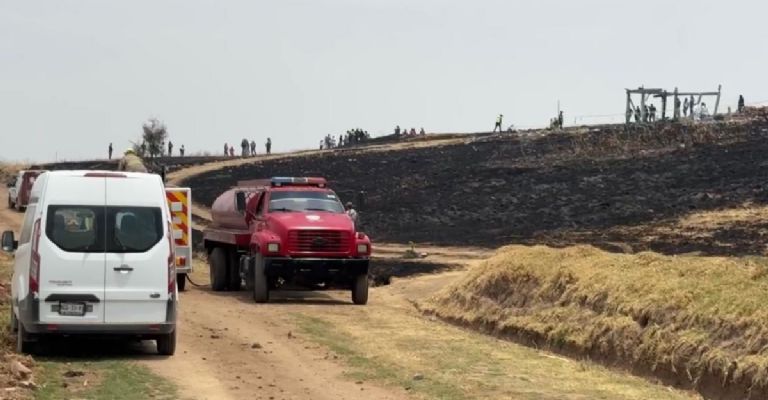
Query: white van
{"points": [[95, 256]]}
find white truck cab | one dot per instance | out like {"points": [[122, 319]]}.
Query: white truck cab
{"points": [[94, 256]]}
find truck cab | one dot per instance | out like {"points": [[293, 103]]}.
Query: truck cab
{"points": [[286, 233]]}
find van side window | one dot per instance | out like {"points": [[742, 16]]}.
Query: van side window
{"points": [[26, 227], [133, 229], [76, 228]]}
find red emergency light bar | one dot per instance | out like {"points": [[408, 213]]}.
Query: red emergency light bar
{"points": [[285, 181], [293, 181]]}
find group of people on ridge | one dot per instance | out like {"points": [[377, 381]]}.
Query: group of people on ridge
{"points": [[352, 137], [405, 132], [247, 149]]}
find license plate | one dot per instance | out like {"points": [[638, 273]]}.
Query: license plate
{"points": [[77, 309]]}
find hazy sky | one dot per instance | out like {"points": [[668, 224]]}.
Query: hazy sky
{"points": [[76, 75]]}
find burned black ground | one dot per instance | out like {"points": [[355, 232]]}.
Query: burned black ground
{"points": [[609, 187]]}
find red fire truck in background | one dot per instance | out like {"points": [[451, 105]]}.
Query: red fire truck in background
{"points": [[285, 233]]}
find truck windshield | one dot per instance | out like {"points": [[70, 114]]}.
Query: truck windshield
{"points": [[298, 201]]}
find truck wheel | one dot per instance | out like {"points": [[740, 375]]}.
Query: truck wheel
{"points": [[181, 282], [247, 265], [166, 344], [233, 271], [260, 286], [217, 262], [360, 289]]}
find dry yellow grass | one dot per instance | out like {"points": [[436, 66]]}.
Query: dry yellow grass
{"points": [[8, 170], [695, 321]]}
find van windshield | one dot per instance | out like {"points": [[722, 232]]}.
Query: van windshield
{"points": [[297, 201], [92, 229]]}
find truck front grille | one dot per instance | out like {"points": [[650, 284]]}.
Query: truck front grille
{"points": [[318, 241]]}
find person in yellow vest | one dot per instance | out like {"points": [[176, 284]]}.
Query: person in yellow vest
{"points": [[498, 123], [131, 162]]}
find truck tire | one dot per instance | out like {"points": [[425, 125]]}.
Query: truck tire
{"points": [[260, 284], [247, 266], [360, 289], [166, 344], [217, 262], [233, 271], [181, 282]]}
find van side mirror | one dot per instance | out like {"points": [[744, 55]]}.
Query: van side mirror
{"points": [[240, 201], [9, 243]]}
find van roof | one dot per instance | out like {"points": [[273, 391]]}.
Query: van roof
{"points": [[127, 188], [103, 173]]}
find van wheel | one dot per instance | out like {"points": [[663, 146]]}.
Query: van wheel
{"points": [[166, 344], [217, 263], [14, 322], [260, 287], [181, 282], [233, 271], [23, 344], [360, 289]]}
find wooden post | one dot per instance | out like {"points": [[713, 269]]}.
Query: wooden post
{"points": [[642, 105], [677, 109], [664, 106], [629, 107], [717, 102]]}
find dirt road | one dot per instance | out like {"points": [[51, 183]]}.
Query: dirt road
{"points": [[10, 219], [231, 348]]}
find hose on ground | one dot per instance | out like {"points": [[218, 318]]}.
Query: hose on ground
{"points": [[193, 283]]}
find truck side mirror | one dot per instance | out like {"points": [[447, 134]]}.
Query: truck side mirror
{"points": [[240, 201], [10, 184], [9, 243]]}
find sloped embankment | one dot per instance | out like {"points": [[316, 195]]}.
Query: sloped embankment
{"points": [[693, 322]]}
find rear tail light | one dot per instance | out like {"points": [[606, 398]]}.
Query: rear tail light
{"points": [[34, 260], [171, 264]]}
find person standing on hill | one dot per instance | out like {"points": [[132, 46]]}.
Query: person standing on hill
{"points": [[741, 104], [170, 149], [110, 151], [253, 148], [352, 213], [181, 150], [268, 145], [226, 149], [498, 123], [560, 118], [131, 162]]}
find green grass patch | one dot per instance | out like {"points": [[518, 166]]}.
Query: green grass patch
{"points": [[115, 380]]}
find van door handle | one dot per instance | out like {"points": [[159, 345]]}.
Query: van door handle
{"points": [[123, 268]]}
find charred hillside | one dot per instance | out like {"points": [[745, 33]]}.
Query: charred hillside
{"points": [[626, 190]]}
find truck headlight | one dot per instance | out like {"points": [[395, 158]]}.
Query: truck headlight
{"points": [[273, 248], [362, 249]]}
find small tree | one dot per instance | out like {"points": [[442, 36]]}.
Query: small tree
{"points": [[155, 134]]}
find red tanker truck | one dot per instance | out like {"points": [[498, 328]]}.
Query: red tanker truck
{"points": [[287, 234]]}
